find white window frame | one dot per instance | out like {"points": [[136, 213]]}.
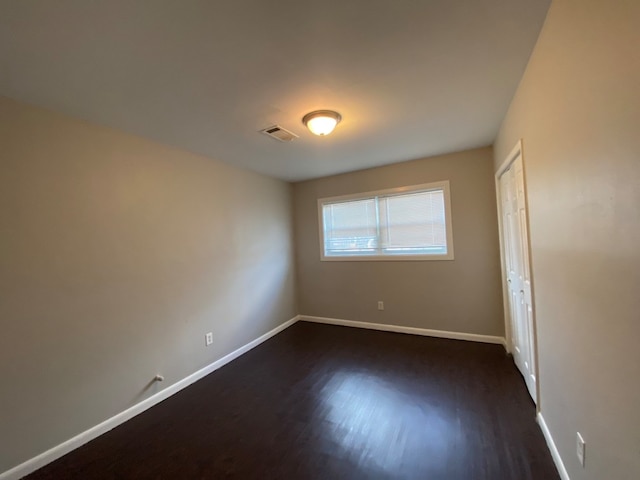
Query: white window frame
{"points": [[425, 187]]}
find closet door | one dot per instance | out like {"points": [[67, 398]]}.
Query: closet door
{"points": [[515, 244]]}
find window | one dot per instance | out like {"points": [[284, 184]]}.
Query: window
{"points": [[408, 223]]}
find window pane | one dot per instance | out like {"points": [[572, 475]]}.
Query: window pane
{"points": [[350, 228], [413, 223], [409, 223]]}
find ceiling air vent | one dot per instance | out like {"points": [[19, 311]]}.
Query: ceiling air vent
{"points": [[279, 133]]}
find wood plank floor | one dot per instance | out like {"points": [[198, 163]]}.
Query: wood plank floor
{"points": [[327, 402]]}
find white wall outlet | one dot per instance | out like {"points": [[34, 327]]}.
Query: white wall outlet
{"points": [[208, 339], [380, 305], [580, 446]]}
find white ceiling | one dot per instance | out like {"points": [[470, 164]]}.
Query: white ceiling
{"points": [[411, 78]]}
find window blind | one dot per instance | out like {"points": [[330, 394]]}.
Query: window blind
{"points": [[411, 223], [350, 227]]}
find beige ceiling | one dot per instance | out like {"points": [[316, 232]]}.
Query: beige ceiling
{"points": [[410, 78]]}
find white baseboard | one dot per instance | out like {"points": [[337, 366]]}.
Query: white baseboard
{"points": [[552, 448], [410, 330], [58, 451]]}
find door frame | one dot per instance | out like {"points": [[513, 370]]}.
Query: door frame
{"points": [[504, 166]]}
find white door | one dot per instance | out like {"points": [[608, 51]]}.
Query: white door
{"points": [[515, 245]]}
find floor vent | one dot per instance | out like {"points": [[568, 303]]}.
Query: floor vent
{"points": [[279, 133]]}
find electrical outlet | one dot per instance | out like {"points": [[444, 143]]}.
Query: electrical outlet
{"points": [[380, 305], [580, 447], [208, 339]]}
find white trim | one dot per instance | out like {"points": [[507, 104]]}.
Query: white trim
{"points": [[387, 258], [557, 459], [473, 337], [422, 187], [443, 185], [508, 335], [58, 451], [515, 151]]}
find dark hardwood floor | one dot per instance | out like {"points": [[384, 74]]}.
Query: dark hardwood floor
{"points": [[326, 402]]}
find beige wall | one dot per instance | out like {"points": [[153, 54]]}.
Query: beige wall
{"points": [[463, 295], [116, 256], [578, 112]]}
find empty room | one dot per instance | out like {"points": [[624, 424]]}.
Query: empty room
{"points": [[320, 240]]}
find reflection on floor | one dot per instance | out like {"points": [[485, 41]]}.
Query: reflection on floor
{"points": [[327, 402], [380, 425]]}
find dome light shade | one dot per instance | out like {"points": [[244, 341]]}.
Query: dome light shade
{"points": [[321, 122]]}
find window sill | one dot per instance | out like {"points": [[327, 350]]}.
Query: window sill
{"points": [[387, 258]]}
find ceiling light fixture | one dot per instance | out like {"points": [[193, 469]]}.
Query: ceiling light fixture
{"points": [[321, 122]]}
